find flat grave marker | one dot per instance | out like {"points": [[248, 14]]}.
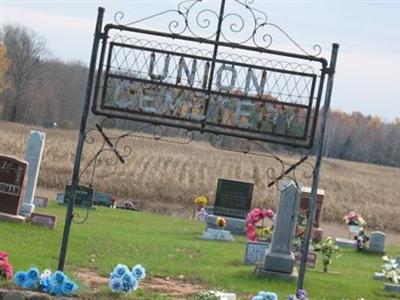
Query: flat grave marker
{"points": [[255, 252], [39, 201], [43, 220], [311, 259]]}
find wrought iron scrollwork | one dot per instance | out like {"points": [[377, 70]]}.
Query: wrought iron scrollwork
{"points": [[202, 23], [287, 161]]}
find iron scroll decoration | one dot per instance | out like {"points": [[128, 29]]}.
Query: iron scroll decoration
{"points": [[211, 72]]}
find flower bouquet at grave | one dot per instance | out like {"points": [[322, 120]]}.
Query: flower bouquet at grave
{"points": [[123, 280], [328, 248], [361, 240], [57, 284], [220, 222], [301, 295], [354, 219], [391, 269], [265, 296], [200, 202], [255, 216], [6, 270]]}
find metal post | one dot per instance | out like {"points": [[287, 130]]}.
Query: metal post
{"points": [[79, 148], [314, 189]]}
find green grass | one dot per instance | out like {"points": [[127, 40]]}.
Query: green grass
{"points": [[171, 247]]}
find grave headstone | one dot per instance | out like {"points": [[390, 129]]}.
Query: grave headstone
{"points": [[317, 232], [398, 260], [12, 184], [279, 260], [311, 259], [84, 195], [255, 252], [217, 235], [44, 220], [103, 199], [33, 156], [60, 198], [40, 201], [233, 198], [377, 242], [233, 201]]}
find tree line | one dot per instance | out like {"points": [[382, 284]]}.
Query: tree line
{"points": [[36, 88]]}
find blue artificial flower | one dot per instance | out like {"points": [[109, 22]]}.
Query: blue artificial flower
{"points": [[68, 288], [20, 278], [30, 284], [270, 296], [115, 285], [120, 270], [55, 289], [33, 274], [44, 285], [265, 296], [129, 282], [139, 272], [292, 297], [58, 278]]}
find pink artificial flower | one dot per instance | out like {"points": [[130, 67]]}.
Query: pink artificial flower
{"points": [[3, 256]]}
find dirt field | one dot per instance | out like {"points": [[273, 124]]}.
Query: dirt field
{"points": [[165, 178]]}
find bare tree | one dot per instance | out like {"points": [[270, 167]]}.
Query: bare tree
{"points": [[26, 51]]}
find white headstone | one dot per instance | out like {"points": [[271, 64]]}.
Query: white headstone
{"points": [[33, 156]]}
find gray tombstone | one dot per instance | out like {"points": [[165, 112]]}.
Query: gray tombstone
{"points": [[398, 260], [377, 242], [33, 156], [60, 198], [217, 235], [255, 252], [392, 288], [279, 260]]}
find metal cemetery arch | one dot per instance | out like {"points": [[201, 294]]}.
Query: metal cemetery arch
{"points": [[219, 78]]}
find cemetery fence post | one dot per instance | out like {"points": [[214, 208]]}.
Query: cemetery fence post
{"points": [[315, 181], [79, 148]]}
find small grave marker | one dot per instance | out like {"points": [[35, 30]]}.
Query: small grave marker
{"points": [[103, 199], [41, 201], [255, 252], [311, 259], [377, 242], [84, 196], [44, 220]]}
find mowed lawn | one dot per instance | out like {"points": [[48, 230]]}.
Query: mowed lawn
{"points": [[171, 247]]}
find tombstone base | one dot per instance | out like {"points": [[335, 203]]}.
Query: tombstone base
{"points": [[26, 209], [11, 218], [234, 225], [377, 252], [217, 235], [278, 262], [260, 271], [392, 288], [345, 243]]}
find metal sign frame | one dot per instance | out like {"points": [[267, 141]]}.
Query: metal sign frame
{"points": [[214, 86]]}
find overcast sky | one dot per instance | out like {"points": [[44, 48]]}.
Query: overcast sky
{"points": [[368, 68]]}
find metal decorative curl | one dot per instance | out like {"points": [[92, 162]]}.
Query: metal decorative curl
{"points": [[285, 170], [235, 23]]}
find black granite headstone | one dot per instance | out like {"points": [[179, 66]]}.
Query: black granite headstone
{"points": [[84, 196], [233, 198]]}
